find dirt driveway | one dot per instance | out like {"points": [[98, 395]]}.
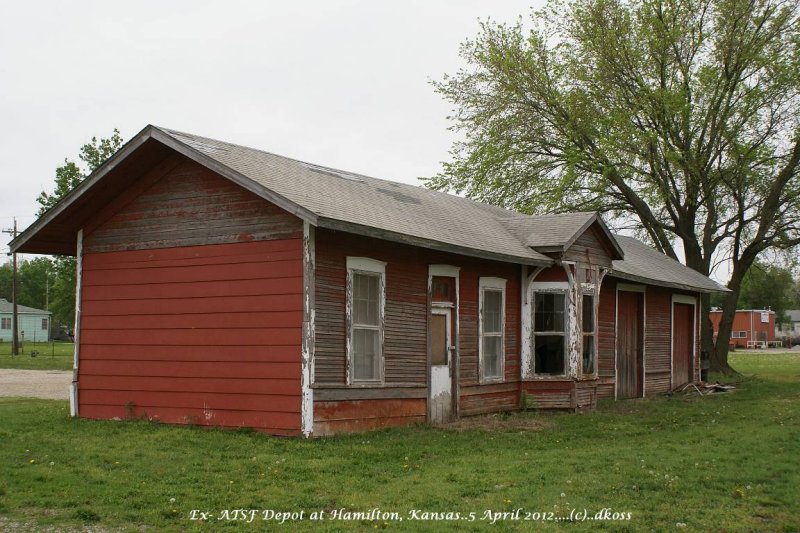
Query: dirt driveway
{"points": [[47, 384]]}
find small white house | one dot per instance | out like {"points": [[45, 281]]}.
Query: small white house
{"points": [[791, 329], [34, 324]]}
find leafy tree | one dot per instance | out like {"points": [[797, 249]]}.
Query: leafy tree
{"points": [[677, 118], [68, 176], [768, 286]]}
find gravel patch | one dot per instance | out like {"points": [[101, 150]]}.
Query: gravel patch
{"points": [[46, 384]]}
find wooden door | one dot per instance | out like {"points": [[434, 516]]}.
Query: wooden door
{"points": [[440, 397], [682, 344], [630, 347]]}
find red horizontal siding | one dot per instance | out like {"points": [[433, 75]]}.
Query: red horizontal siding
{"points": [[143, 352], [230, 402], [276, 423], [184, 384], [190, 369], [194, 337], [221, 304], [207, 334]]}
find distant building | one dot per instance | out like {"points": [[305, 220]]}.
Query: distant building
{"points": [[792, 329], [34, 324], [749, 326]]}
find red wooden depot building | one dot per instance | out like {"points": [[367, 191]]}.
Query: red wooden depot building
{"points": [[225, 286]]}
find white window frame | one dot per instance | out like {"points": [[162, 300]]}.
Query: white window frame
{"points": [[492, 284], [370, 267], [550, 287], [739, 334]]}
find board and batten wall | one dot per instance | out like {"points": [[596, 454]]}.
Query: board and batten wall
{"points": [[192, 306], [657, 338], [402, 399]]}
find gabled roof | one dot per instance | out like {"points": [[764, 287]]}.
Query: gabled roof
{"points": [[647, 265], [8, 307], [556, 233], [340, 200], [331, 198]]}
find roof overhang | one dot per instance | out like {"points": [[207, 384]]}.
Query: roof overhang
{"points": [[401, 238], [55, 232], [672, 285]]}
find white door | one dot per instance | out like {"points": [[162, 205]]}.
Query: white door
{"points": [[441, 400]]}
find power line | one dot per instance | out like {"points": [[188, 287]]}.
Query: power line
{"points": [[15, 315]]}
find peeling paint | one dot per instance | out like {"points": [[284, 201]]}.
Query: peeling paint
{"points": [[307, 356], [73, 389]]}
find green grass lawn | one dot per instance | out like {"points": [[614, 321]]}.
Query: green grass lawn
{"points": [[725, 462], [51, 356]]}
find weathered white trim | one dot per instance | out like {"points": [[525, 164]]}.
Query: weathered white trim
{"points": [[73, 389], [368, 266], [688, 300], [491, 283], [631, 287], [448, 271], [309, 308], [542, 286], [574, 333], [684, 299]]}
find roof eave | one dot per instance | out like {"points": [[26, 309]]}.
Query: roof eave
{"points": [[377, 233], [668, 284], [48, 216]]}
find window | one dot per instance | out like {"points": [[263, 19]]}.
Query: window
{"points": [[588, 325], [5, 323], [44, 324], [492, 322], [549, 332], [365, 305], [739, 335]]}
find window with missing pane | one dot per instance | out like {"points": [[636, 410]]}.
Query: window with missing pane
{"points": [[549, 333], [365, 326]]}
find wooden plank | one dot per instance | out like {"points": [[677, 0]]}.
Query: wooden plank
{"points": [[195, 337], [383, 393], [221, 304], [192, 274], [224, 354], [205, 289], [214, 401], [189, 384], [270, 422], [364, 409], [191, 369]]}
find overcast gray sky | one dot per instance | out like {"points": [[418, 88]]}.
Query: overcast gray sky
{"points": [[339, 83]]}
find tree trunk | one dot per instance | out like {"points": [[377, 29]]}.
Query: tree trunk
{"points": [[719, 356]]}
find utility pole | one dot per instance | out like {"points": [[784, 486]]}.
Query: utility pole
{"points": [[15, 315]]}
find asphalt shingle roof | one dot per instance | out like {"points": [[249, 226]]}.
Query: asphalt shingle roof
{"points": [[371, 202], [336, 199], [8, 307], [645, 264]]}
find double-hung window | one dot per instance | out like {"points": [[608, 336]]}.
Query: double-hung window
{"points": [[5, 323], [365, 304], [492, 326], [588, 326], [549, 333]]}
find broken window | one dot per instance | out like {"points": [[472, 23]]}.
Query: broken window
{"points": [[549, 332], [588, 325], [492, 320], [365, 300]]}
